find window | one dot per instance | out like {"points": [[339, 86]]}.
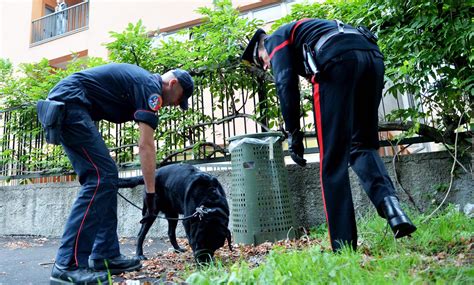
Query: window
{"points": [[48, 10]]}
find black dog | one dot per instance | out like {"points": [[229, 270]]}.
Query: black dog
{"points": [[184, 189]]}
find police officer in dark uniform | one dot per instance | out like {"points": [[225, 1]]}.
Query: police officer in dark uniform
{"points": [[346, 69], [117, 93]]}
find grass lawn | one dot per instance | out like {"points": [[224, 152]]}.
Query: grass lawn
{"points": [[441, 251]]}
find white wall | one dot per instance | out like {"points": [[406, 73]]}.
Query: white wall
{"points": [[104, 16]]}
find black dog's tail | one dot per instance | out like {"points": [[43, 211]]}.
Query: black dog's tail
{"points": [[130, 182]]}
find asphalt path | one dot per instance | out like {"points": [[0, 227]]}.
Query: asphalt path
{"points": [[29, 259]]}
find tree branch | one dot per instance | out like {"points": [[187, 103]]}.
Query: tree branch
{"points": [[424, 130], [135, 55], [216, 147]]}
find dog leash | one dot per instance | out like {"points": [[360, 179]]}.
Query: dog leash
{"points": [[129, 201], [200, 211]]}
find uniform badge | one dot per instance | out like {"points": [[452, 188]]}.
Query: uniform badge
{"points": [[154, 102]]}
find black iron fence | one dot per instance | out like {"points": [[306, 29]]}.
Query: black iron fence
{"points": [[69, 20], [235, 109]]}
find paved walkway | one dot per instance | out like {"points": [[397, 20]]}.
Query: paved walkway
{"points": [[28, 260]]}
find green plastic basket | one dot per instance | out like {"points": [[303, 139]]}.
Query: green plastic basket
{"points": [[261, 206]]}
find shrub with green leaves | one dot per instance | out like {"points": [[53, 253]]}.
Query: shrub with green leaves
{"points": [[20, 89], [211, 52], [428, 48]]}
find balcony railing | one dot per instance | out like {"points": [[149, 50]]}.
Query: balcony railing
{"points": [[58, 24]]}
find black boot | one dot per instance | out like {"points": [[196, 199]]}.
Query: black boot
{"points": [[397, 219], [115, 265], [75, 275]]}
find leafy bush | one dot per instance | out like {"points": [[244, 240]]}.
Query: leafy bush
{"points": [[428, 48], [20, 89], [211, 53]]}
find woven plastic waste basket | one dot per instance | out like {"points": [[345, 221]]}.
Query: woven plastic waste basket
{"points": [[261, 206]]}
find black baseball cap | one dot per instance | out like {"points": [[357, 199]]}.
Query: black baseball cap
{"points": [[250, 55], [187, 83]]}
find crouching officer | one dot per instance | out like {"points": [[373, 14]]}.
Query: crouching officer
{"points": [[117, 93], [346, 69]]}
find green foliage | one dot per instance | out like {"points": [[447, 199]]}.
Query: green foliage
{"points": [[133, 46], [6, 69], [20, 89], [428, 48], [32, 81], [211, 52], [437, 253], [216, 42]]}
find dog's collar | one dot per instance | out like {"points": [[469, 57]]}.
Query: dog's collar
{"points": [[202, 211]]}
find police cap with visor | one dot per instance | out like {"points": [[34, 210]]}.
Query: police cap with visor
{"points": [[250, 55], [187, 83]]}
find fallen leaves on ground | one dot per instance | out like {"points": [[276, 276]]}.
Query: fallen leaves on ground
{"points": [[21, 244], [18, 244], [168, 265], [41, 240]]}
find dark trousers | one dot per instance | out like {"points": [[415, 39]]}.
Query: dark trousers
{"points": [[346, 101], [91, 229]]}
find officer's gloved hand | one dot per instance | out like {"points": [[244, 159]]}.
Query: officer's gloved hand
{"points": [[149, 202], [296, 148]]}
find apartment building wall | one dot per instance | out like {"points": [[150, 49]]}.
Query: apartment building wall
{"points": [[16, 18]]}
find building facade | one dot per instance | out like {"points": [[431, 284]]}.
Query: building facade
{"points": [[34, 29]]}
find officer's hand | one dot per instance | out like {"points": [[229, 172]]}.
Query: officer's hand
{"points": [[149, 202], [296, 148]]}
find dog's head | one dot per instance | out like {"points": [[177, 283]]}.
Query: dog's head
{"points": [[209, 230]]}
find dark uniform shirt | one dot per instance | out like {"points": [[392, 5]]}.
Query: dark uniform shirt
{"points": [[285, 48], [115, 92]]}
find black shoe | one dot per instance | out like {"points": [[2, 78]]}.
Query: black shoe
{"points": [[115, 265], [397, 219], [75, 275]]}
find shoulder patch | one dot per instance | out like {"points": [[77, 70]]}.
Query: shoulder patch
{"points": [[155, 102]]}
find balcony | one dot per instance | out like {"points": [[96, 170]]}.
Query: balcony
{"points": [[60, 24]]}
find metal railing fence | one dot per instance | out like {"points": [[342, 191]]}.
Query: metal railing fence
{"points": [[231, 111], [61, 23]]}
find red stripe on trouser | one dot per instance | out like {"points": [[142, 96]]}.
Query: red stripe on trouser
{"points": [[319, 123], [88, 207]]}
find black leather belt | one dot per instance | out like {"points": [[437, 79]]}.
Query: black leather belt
{"points": [[310, 54], [339, 31]]}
